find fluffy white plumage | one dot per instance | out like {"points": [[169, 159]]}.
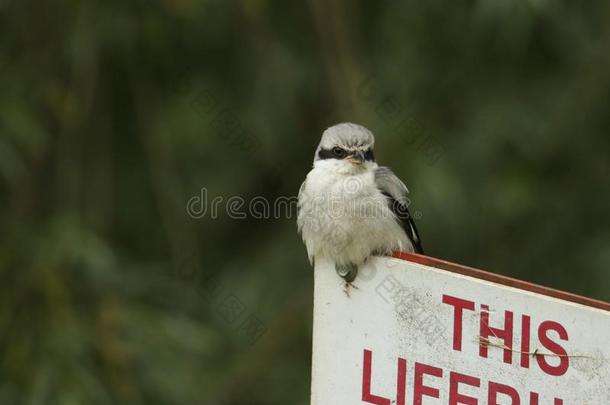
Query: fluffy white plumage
{"points": [[345, 203]]}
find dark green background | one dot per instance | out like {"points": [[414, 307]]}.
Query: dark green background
{"points": [[113, 114]]}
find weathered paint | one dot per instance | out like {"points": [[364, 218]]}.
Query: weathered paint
{"points": [[413, 333]]}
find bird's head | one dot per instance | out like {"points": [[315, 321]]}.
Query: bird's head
{"points": [[347, 147]]}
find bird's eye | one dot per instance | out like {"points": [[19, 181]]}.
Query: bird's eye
{"points": [[369, 155], [338, 152]]}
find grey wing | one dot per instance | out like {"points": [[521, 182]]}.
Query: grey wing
{"points": [[396, 192]]}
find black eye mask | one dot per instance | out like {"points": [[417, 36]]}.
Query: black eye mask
{"points": [[340, 153]]}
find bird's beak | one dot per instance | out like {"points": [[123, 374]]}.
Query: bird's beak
{"points": [[356, 157]]}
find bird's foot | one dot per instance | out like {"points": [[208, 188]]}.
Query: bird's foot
{"points": [[347, 287], [348, 272]]}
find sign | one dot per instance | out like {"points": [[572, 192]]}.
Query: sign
{"points": [[416, 330]]}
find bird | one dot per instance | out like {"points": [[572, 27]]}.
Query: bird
{"points": [[349, 207]]}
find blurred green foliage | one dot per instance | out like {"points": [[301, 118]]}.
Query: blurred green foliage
{"points": [[113, 114]]}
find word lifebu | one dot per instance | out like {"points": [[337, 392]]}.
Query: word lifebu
{"points": [[496, 392], [429, 380]]}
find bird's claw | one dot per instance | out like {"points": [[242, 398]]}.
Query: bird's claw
{"points": [[348, 273], [347, 287]]}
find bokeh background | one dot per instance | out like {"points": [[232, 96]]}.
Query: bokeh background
{"points": [[113, 115]]}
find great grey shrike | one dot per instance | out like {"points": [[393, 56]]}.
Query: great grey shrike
{"points": [[350, 208]]}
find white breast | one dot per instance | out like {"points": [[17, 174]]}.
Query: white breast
{"points": [[344, 217]]}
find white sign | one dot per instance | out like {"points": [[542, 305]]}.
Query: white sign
{"points": [[414, 333]]}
